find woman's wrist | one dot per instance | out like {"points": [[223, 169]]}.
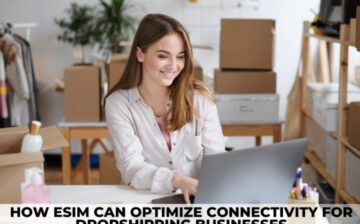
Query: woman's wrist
{"points": [[175, 179]]}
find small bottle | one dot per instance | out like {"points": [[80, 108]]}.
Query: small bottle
{"points": [[32, 141], [36, 192], [28, 174], [299, 182]]}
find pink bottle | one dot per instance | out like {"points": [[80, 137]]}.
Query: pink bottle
{"points": [[35, 192]]}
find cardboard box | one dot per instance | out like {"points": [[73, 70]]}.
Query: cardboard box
{"points": [[247, 44], [109, 174], [116, 68], [82, 94], [198, 72], [245, 82], [13, 163], [352, 38], [354, 124]]}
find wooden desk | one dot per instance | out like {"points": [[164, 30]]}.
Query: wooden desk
{"points": [[257, 129], [98, 131], [82, 131]]}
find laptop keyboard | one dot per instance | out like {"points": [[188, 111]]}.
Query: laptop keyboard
{"points": [[172, 199]]}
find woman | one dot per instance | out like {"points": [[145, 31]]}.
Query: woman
{"points": [[161, 120]]}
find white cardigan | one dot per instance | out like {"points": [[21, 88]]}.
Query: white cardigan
{"points": [[142, 155]]}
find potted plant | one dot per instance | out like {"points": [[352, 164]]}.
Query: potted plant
{"points": [[114, 24], [79, 29]]}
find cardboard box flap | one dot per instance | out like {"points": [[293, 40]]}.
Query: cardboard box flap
{"points": [[52, 138], [21, 129], [16, 158], [11, 138]]}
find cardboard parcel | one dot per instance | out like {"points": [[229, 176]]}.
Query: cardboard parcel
{"points": [[247, 44], [13, 163]]}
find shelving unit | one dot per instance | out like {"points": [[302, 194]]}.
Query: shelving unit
{"points": [[319, 166], [338, 183]]}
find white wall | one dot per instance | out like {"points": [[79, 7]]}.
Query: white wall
{"points": [[202, 20]]}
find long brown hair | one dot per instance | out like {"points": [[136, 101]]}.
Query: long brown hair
{"points": [[151, 29]]}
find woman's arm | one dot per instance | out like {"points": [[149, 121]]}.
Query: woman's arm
{"points": [[212, 137]]}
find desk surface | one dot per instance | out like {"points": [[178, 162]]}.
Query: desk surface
{"points": [[104, 194]]}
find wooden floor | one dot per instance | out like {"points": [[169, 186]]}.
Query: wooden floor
{"points": [[53, 176]]}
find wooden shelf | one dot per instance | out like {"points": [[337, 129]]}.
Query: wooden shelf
{"points": [[320, 167], [348, 198], [325, 38], [307, 112], [334, 135], [349, 146], [354, 204], [324, 75], [331, 39]]}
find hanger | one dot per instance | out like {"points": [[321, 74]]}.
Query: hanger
{"points": [[5, 28], [8, 28]]}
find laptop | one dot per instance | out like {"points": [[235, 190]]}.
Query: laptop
{"points": [[263, 174]]}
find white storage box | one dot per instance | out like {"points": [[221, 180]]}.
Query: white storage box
{"points": [[331, 155], [325, 109], [248, 108], [322, 89], [317, 138], [352, 178]]}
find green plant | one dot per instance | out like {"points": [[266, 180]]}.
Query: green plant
{"points": [[79, 27], [114, 24]]}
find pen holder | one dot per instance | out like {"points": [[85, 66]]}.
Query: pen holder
{"points": [[312, 202]]}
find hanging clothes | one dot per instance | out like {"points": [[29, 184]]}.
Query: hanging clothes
{"points": [[4, 112], [7, 57], [30, 72], [18, 89], [17, 78]]}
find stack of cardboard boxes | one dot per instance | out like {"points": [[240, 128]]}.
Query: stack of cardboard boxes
{"points": [[246, 83]]}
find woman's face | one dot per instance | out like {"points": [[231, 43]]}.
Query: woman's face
{"points": [[163, 61]]}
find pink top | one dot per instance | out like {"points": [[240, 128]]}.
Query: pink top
{"points": [[162, 122]]}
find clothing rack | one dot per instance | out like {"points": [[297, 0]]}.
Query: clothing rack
{"points": [[27, 26], [22, 104]]}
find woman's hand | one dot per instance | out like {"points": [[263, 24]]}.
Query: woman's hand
{"points": [[187, 185]]}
